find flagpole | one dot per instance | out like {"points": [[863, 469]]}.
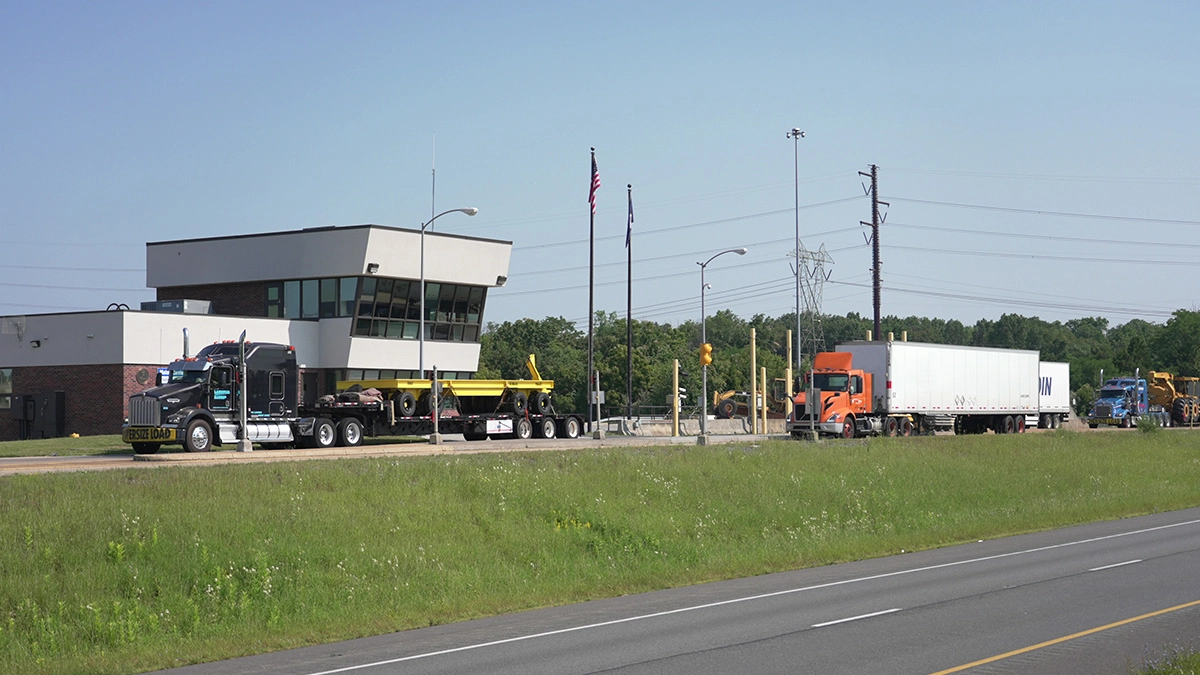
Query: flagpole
{"points": [[595, 178], [629, 309]]}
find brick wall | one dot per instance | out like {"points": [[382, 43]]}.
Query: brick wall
{"points": [[240, 299], [96, 396]]}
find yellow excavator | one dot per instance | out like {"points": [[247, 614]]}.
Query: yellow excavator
{"points": [[1177, 395]]}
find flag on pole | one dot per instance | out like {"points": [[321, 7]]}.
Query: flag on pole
{"points": [[629, 229], [595, 184]]}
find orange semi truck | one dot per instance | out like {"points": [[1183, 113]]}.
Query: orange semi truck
{"points": [[903, 388]]}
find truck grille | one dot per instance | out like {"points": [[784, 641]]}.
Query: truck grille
{"points": [[144, 411], [1104, 410]]}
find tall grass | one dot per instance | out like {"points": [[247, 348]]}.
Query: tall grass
{"points": [[128, 570]]}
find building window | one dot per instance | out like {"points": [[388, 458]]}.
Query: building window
{"points": [[391, 308], [312, 298], [5, 388]]}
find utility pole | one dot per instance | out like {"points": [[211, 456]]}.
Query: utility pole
{"points": [[876, 221]]}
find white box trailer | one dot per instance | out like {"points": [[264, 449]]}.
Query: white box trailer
{"points": [[1054, 394], [980, 388]]}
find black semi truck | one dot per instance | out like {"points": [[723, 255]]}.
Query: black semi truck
{"points": [[198, 404]]}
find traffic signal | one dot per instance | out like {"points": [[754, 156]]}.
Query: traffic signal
{"points": [[705, 354]]}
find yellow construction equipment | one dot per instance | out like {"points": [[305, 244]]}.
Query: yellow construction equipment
{"points": [[1176, 395]]}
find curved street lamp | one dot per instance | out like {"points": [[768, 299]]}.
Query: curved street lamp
{"points": [[704, 340], [470, 211], [435, 438]]}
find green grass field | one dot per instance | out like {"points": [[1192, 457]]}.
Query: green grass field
{"points": [[126, 570]]}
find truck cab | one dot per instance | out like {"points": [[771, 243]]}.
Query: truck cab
{"points": [[1120, 401], [842, 397], [197, 403]]}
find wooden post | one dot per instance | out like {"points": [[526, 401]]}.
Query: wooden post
{"points": [[675, 400], [753, 387]]}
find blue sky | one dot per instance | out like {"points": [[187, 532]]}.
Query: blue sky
{"points": [[1039, 158]]}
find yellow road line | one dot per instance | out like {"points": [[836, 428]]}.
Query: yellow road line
{"points": [[1031, 648]]}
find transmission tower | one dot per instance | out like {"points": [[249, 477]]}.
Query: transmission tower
{"points": [[811, 273]]}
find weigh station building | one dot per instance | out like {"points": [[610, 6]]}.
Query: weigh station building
{"points": [[347, 298]]}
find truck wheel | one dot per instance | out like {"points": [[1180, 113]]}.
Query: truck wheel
{"points": [[571, 427], [323, 434], [1093, 425], [520, 403], [522, 429], [541, 403], [1007, 425], [726, 409], [198, 437], [848, 428], [891, 426], [146, 448], [406, 404], [906, 428], [1019, 424], [470, 435], [545, 428], [1126, 422], [350, 432]]}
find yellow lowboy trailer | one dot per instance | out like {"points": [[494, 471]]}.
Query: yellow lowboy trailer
{"points": [[477, 408]]}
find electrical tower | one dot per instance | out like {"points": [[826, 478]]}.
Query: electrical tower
{"points": [[810, 271]]}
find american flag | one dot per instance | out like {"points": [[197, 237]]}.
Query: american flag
{"points": [[629, 230], [595, 185]]}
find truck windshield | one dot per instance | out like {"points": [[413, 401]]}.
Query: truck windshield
{"points": [[1112, 392], [830, 382], [189, 376]]}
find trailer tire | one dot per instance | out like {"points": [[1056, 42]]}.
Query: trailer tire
{"points": [[406, 404], [520, 403], [1006, 425], [146, 448], [522, 429], [474, 435], [324, 435], [848, 427], [350, 432], [906, 427], [198, 436], [727, 408], [541, 403], [571, 427], [545, 428], [1019, 424]]}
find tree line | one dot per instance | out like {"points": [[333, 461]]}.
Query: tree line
{"points": [[1089, 344]]}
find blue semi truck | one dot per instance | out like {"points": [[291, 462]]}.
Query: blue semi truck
{"points": [[1123, 401]]}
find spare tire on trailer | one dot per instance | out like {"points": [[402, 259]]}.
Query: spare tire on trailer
{"points": [[405, 404], [519, 402], [540, 404]]}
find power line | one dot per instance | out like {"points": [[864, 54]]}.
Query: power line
{"points": [[1064, 214], [688, 226], [1045, 237]]}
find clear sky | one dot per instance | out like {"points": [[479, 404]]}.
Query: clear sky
{"points": [[1040, 158]]}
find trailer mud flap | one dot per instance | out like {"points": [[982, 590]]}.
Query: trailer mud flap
{"points": [[499, 427]]}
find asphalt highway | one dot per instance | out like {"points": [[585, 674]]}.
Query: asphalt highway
{"points": [[1093, 599]]}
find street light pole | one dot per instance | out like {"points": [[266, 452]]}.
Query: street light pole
{"points": [[796, 134], [470, 211], [435, 438], [704, 340]]}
